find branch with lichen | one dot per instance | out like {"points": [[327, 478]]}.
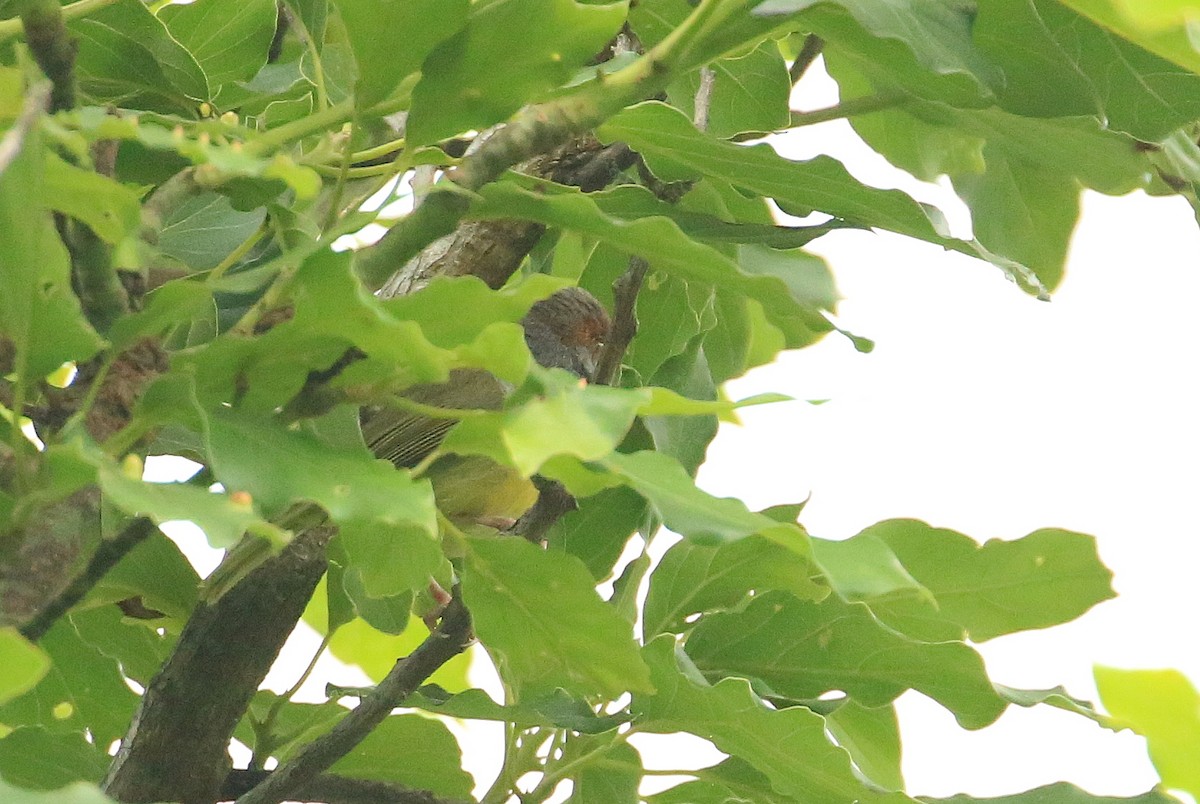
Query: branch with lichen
{"points": [[534, 130]]}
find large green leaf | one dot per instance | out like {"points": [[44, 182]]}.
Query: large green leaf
{"points": [[1165, 29], [478, 77], [387, 520], [609, 778], [923, 47], [872, 736], [390, 39], [677, 151], [691, 512], [789, 746], [78, 793], [222, 519], [803, 649], [1046, 578], [204, 229], [1058, 63], [229, 38], [692, 579], [24, 664], [84, 691], [662, 244], [1164, 707], [39, 312], [43, 760], [517, 595], [1059, 793], [127, 56], [110, 209], [586, 421], [749, 92], [413, 751]]}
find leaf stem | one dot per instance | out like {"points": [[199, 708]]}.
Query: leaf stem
{"points": [[850, 108], [242, 250]]}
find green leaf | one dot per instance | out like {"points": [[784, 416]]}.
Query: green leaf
{"points": [[631, 201], [164, 309], [612, 778], [24, 664], [803, 649], [872, 736], [585, 421], [732, 780], [692, 579], [749, 93], [85, 690], [661, 243], [205, 228], [1059, 793], [156, 571], [733, 718], [477, 78], [38, 310], [1058, 63], [411, 750], [864, 568], [42, 760], [279, 466], [556, 709], [691, 512], [677, 151], [516, 594], [390, 39], [597, 531], [112, 210], [374, 652], [293, 724], [1056, 697], [925, 48], [78, 793], [1164, 707], [229, 38], [1023, 211], [126, 56], [1157, 27], [1046, 578], [223, 521]]}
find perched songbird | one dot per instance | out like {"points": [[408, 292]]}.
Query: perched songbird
{"points": [[567, 331]]}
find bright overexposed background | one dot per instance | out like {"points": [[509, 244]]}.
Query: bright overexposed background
{"points": [[986, 411]]}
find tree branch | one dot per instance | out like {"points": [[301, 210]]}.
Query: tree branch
{"points": [[451, 638], [331, 789], [624, 321], [53, 47], [849, 108], [177, 745], [812, 47], [105, 558]]}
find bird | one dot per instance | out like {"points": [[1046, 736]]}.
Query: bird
{"points": [[566, 330]]}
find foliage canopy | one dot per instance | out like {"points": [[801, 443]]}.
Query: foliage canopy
{"points": [[180, 274]]}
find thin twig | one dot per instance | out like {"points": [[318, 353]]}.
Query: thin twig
{"points": [[624, 320], [812, 47], [451, 638], [105, 558]]}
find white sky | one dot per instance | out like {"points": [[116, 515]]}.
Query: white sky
{"points": [[986, 411]]}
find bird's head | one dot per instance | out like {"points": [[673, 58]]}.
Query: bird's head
{"points": [[567, 330]]}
